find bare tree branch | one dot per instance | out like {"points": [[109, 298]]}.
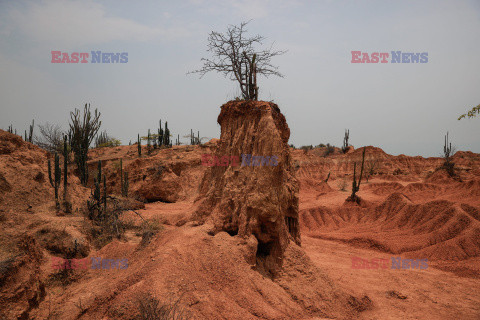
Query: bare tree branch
{"points": [[235, 56]]}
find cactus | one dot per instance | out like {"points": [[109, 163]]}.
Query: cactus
{"points": [[50, 172], [58, 179], [355, 184], [96, 182], [99, 173], [148, 142], [448, 151], [160, 134], [125, 185], [328, 177], [83, 129], [139, 145], [65, 167], [121, 176], [166, 138], [30, 137], [345, 141], [123, 180], [104, 194]]}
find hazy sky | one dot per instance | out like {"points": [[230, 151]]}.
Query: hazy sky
{"points": [[402, 108]]}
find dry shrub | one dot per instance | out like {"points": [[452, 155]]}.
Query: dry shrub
{"points": [[102, 227], [148, 229], [150, 308], [60, 242], [342, 184]]}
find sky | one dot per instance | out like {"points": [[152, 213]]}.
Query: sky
{"points": [[403, 108]]}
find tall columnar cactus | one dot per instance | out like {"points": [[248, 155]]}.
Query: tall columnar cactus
{"points": [[97, 181], [345, 141], [160, 134], [30, 137], [447, 150], [123, 180], [355, 184], [104, 194], [166, 138], [83, 130], [139, 145], [148, 142], [65, 167], [10, 129], [99, 172], [192, 142], [121, 176], [58, 179], [125, 185], [251, 85], [50, 173]]}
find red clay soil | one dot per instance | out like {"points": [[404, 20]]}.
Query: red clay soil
{"points": [[410, 210]]}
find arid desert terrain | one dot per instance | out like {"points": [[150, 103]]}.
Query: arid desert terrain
{"points": [[223, 241]]}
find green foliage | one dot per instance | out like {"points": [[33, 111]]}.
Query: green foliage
{"points": [[111, 143], [103, 140], [472, 113]]}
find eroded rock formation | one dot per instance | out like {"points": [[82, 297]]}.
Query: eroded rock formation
{"points": [[253, 200]]}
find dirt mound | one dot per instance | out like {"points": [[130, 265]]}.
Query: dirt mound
{"points": [[440, 177], [315, 185], [21, 286], [208, 275], [24, 180], [261, 200], [23, 174], [383, 188]]}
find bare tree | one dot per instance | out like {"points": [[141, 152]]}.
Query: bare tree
{"points": [[235, 55], [50, 138]]}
